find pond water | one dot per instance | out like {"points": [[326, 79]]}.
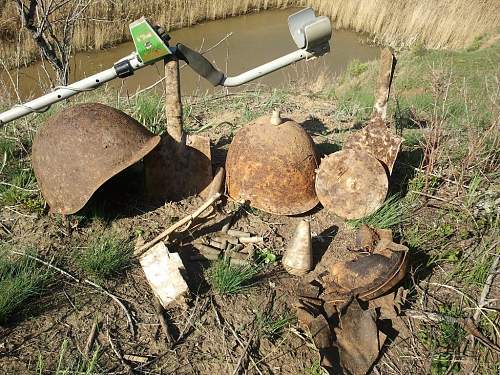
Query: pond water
{"points": [[255, 39]]}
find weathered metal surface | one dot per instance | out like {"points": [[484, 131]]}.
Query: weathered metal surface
{"points": [[175, 171], [352, 184], [182, 165], [377, 140], [367, 277], [82, 147], [272, 167]]}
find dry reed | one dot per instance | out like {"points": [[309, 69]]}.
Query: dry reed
{"points": [[434, 24]]}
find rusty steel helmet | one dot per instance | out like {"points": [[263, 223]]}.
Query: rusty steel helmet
{"points": [[82, 147], [271, 163]]}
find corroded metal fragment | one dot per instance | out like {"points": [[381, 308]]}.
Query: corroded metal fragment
{"points": [[377, 140], [82, 147], [272, 167], [352, 184]]}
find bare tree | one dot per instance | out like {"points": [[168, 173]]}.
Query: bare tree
{"points": [[52, 25]]}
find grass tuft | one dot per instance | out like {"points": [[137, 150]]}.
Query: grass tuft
{"points": [[20, 280], [70, 364], [228, 279], [393, 212], [272, 325], [106, 256]]}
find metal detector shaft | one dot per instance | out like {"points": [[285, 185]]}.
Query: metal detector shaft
{"points": [[64, 92], [311, 34]]}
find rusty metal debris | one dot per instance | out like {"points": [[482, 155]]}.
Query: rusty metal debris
{"points": [[237, 246], [82, 147], [330, 302], [352, 184], [377, 140], [182, 165], [272, 167]]}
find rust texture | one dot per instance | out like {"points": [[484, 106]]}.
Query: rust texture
{"points": [[352, 184], [377, 140], [82, 147], [182, 165], [273, 167]]}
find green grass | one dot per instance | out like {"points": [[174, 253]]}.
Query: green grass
{"points": [[272, 325], [225, 278], [392, 213], [21, 280], [356, 68], [149, 111], [68, 363], [106, 255], [315, 369], [443, 340]]}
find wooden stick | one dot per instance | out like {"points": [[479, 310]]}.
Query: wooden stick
{"points": [[173, 103], [160, 312], [117, 300], [237, 233], [141, 250], [86, 281], [91, 338], [487, 285]]}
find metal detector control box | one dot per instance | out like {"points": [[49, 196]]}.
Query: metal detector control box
{"points": [[149, 45]]}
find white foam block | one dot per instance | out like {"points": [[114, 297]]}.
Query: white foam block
{"points": [[163, 272]]}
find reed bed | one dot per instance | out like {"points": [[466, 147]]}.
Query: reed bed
{"points": [[450, 24], [433, 24]]}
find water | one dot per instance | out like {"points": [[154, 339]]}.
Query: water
{"points": [[256, 39]]}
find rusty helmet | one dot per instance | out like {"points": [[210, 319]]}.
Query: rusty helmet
{"points": [[83, 146], [271, 163]]}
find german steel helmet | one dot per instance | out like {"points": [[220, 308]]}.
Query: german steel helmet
{"points": [[80, 148]]}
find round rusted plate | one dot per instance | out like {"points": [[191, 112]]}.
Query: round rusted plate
{"points": [[273, 167], [83, 146], [352, 184]]}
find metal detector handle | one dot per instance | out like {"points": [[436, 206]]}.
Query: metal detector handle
{"points": [[200, 65]]}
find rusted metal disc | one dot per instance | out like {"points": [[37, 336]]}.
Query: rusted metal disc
{"points": [[273, 167], [82, 147], [352, 184]]}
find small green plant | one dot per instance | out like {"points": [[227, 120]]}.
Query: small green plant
{"points": [[315, 369], [476, 43], [444, 339], [229, 279], [20, 280], [68, 364], [266, 256], [356, 68], [272, 325], [105, 256], [392, 212]]}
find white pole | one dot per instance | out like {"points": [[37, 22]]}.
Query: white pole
{"points": [[42, 103], [267, 68]]}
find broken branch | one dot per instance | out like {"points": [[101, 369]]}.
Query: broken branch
{"points": [[141, 250]]}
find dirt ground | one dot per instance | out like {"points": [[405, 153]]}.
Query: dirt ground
{"points": [[213, 330]]}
